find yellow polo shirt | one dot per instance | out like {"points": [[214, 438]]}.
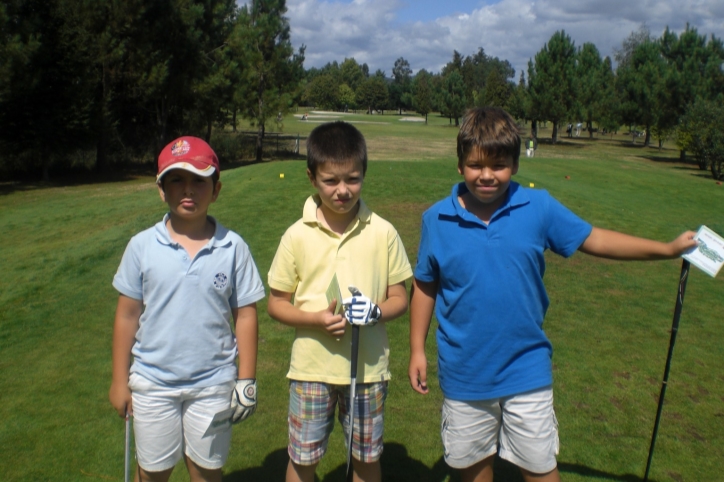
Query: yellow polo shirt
{"points": [[368, 255]]}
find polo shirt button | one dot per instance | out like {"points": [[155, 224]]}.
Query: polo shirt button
{"points": [[185, 258]]}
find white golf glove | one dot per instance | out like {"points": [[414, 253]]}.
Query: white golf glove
{"points": [[360, 310], [243, 399]]}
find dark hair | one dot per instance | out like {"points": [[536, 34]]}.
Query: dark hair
{"points": [[490, 129], [336, 142]]}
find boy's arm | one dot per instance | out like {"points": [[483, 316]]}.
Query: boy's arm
{"points": [[128, 314], [421, 308], [280, 308], [605, 243], [246, 329], [396, 303]]}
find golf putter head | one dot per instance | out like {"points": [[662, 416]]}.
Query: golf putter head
{"points": [[353, 289]]}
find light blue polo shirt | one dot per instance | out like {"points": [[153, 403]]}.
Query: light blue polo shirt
{"points": [[491, 300], [185, 336]]}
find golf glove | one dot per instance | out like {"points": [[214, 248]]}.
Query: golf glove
{"points": [[243, 399], [360, 310]]}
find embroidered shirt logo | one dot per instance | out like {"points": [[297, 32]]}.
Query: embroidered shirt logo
{"points": [[220, 281], [180, 148]]}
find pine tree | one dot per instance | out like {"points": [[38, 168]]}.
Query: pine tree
{"points": [[552, 80], [272, 72]]}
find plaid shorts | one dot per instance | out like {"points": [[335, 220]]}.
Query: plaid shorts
{"points": [[311, 419]]}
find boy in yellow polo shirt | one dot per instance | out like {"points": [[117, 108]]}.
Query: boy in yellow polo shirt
{"points": [[337, 235]]}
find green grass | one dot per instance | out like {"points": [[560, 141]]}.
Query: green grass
{"points": [[609, 321]]}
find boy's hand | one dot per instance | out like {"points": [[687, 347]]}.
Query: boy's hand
{"points": [[683, 243], [360, 310], [333, 324], [417, 372], [243, 399], [120, 397]]}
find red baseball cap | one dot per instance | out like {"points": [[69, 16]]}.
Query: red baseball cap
{"points": [[190, 154]]}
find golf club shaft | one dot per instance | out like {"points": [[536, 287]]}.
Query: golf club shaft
{"points": [[674, 329], [127, 457], [352, 393]]}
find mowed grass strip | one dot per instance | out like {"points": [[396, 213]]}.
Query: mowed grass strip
{"points": [[609, 321]]}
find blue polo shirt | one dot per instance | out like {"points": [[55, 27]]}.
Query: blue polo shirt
{"points": [[491, 300], [185, 337]]}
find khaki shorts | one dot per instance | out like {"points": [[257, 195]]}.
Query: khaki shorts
{"points": [[170, 422], [522, 428]]}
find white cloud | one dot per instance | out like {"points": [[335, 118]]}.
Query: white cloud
{"points": [[369, 30]]}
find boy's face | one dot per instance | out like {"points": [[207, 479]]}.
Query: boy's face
{"points": [[339, 186], [488, 179], [188, 195]]}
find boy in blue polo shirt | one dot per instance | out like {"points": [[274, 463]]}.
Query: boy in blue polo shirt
{"points": [[181, 282], [480, 266]]}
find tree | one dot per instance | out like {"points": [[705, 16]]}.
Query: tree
{"points": [[623, 55], [351, 73], [552, 80], [589, 77], [700, 133], [641, 83], [497, 90], [518, 104], [272, 71], [401, 85], [372, 93], [423, 93], [453, 95], [346, 97], [323, 92]]}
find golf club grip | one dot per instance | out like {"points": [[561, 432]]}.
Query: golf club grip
{"points": [[355, 351]]}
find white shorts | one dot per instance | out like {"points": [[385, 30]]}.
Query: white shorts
{"points": [[522, 428], [170, 422]]}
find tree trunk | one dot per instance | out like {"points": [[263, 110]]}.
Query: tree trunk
{"points": [[716, 170], [647, 137], [233, 121], [534, 128], [554, 135], [260, 142]]}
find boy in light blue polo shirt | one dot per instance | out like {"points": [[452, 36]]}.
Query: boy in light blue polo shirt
{"points": [[480, 267], [181, 282]]}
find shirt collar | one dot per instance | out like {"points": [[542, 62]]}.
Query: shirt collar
{"points": [[516, 196], [309, 214], [220, 238]]}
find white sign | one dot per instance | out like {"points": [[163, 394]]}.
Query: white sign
{"points": [[709, 255]]}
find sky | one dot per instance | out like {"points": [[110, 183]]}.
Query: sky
{"points": [[426, 32]]}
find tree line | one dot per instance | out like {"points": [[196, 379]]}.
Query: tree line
{"points": [[121, 78]]}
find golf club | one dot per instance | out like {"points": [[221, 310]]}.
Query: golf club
{"points": [[674, 328], [127, 459], [352, 384]]}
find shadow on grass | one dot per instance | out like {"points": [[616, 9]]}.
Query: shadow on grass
{"points": [[398, 466], [81, 177], [598, 474]]}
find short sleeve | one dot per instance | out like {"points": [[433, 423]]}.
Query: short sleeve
{"points": [[283, 272], [399, 265], [426, 269], [128, 280], [566, 231], [248, 287]]}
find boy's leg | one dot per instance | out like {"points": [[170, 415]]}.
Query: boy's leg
{"points": [[479, 472], [552, 476], [470, 432], [529, 434], [200, 474], [311, 419], [367, 442]]}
